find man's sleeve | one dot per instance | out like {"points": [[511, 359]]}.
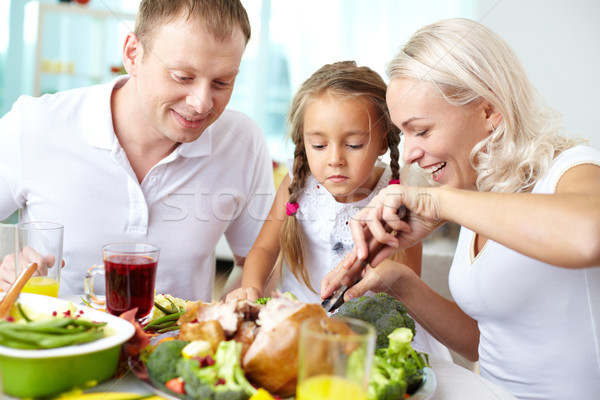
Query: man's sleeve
{"points": [[10, 169], [244, 230]]}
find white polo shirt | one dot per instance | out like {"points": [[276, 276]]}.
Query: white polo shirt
{"points": [[60, 161]]}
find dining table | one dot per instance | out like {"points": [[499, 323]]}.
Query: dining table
{"points": [[451, 381]]}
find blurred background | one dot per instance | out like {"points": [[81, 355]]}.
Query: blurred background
{"points": [[52, 45]]}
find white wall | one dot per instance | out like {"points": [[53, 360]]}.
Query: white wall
{"points": [[558, 43]]}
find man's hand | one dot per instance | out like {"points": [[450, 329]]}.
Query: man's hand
{"points": [[27, 256], [7, 272]]}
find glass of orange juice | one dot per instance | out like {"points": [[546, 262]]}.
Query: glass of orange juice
{"points": [[335, 357], [42, 243]]}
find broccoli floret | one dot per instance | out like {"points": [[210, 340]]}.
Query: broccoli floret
{"points": [[400, 343], [382, 311], [290, 296], [381, 387], [199, 382], [223, 380], [161, 365], [263, 300], [397, 369], [227, 364]]}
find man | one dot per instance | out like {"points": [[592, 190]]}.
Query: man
{"points": [[151, 157]]}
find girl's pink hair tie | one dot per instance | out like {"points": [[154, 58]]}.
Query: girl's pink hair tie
{"points": [[394, 182], [291, 208]]}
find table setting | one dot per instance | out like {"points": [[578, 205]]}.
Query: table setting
{"points": [[108, 346]]}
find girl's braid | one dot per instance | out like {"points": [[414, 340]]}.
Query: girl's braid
{"points": [[299, 170], [393, 138]]}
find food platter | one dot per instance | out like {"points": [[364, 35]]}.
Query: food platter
{"points": [[278, 323], [428, 386], [425, 391]]}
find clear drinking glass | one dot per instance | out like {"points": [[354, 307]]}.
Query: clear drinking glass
{"points": [[335, 358], [41, 243]]}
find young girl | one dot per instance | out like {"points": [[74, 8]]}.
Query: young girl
{"points": [[340, 125]]}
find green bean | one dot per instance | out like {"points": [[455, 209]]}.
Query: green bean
{"points": [[160, 326], [25, 317], [49, 329], [56, 325], [83, 322], [168, 329], [87, 303], [50, 333], [15, 344], [46, 323], [165, 310], [175, 307], [162, 320], [67, 340], [15, 334], [49, 340], [57, 322]]}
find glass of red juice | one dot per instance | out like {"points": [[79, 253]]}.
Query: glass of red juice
{"points": [[130, 275]]}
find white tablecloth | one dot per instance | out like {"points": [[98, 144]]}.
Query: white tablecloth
{"points": [[457, 383]]}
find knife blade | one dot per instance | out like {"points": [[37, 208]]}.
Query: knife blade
{"points": [[334, 301]]}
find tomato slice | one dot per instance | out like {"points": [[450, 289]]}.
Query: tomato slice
{"points": [[176, 385]]}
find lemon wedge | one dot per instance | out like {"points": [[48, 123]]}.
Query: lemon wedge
{"points": [[197, 348], [262, 394]]}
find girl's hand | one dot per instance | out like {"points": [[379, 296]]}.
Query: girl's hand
{"points": [[245, 293], [423, 217]]}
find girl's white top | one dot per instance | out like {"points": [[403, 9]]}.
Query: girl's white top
{"points": [[328, 240], [540, 324], [328, 237]]}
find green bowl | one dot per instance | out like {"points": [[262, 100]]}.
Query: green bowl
{"points": [[41, 373]]}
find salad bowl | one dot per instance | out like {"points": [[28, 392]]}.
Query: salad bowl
{"points": [[40, 373]]}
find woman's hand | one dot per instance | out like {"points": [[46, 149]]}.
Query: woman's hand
{"points": [[385, 278], [422, 218], [333, 280], [245, 293]]}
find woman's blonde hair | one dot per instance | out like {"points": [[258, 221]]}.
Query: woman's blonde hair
{"points": [[468, 63], [344, 79]]}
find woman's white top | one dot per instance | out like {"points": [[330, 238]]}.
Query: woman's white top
{"points": [[539, 324]]}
